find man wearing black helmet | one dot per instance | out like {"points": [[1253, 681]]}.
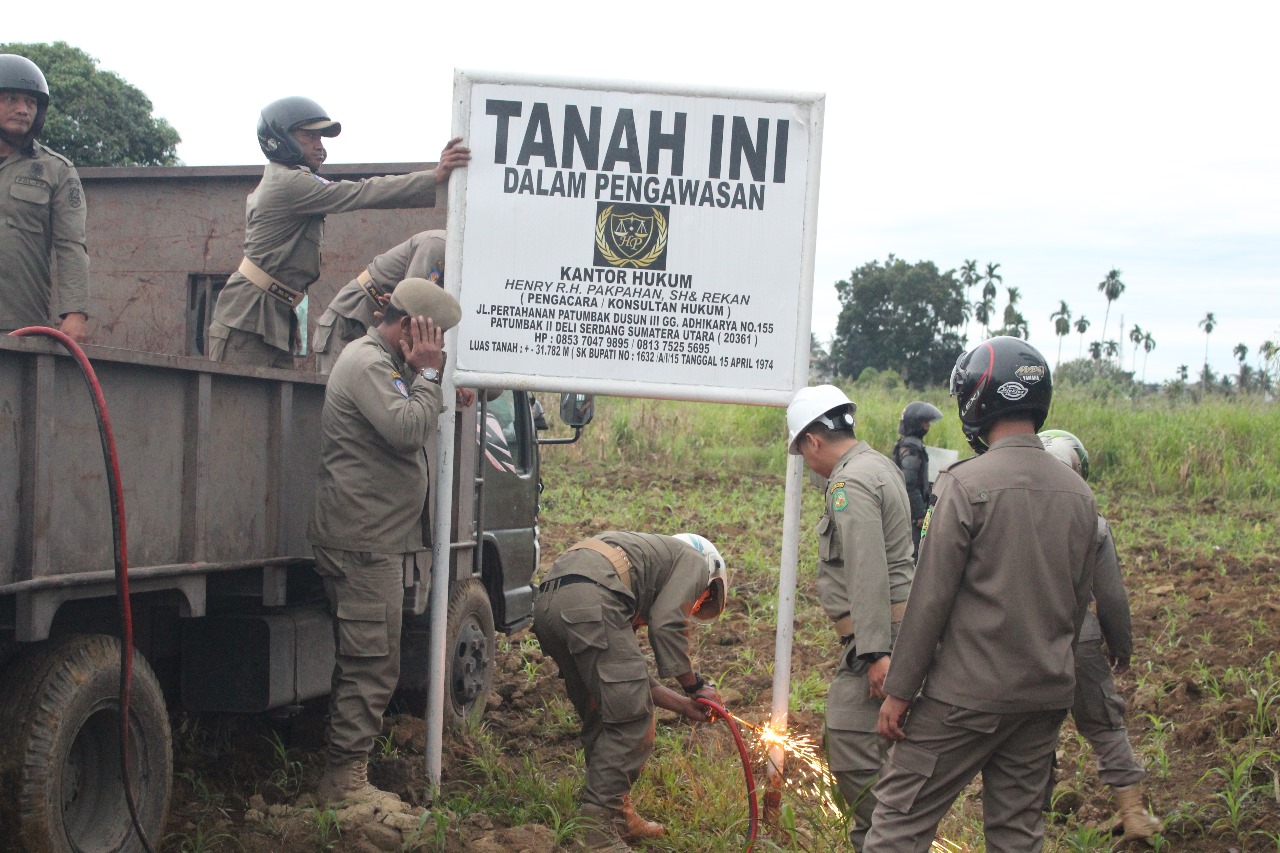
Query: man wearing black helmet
{"points": [[982, 674], [41, 197], [910, 455], [254, 321]]}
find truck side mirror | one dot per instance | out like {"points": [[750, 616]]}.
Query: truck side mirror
{"points": [[577, 410]]}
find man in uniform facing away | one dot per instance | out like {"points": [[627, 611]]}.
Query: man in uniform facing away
{"points": [[1003, 580], [43, 203], [589, 606], [864, 576], [350, 313], [381, 402], [254, 321]]}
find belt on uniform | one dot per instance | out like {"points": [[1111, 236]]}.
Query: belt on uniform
{"points": [[844, 625], [616, 556], [262, 279], [564, 580], [370, 288]]}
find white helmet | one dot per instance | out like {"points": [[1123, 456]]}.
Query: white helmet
{"points": [[811, 404], [708, 608]]}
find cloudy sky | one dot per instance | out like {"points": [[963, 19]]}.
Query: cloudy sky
{"points": [[1059, 141]]}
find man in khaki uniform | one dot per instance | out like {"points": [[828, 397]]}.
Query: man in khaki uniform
{"points": [[254, 321], [864, 576], [1098, 709], [381, 402], [42, 205], [586, 614], [1002, 584], [351, 311]]}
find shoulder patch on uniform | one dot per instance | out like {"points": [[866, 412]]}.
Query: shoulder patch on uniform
{"points": [[839, 500], [436, 274], [74, 197], [924, 526], [320, 179], [401, 387], [834, 486]]}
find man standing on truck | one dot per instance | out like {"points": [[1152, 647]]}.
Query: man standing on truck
{"points": [[41, 197], [864, 577], [254, 321], [381, 402], [589, 606], [1002, 584]]}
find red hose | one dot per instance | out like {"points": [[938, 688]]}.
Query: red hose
{"points": [[753, 806], [116, 492]]}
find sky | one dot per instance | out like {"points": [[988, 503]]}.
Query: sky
{"points": [[1059, 141]]}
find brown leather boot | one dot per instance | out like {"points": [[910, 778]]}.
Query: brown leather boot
{"points": [[637, 827], [349, 783], [600, 830], [1133, 815]]}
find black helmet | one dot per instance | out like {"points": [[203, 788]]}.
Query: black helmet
{"points": [[997, 378], [280, 117], [21, 74], [917, 417]]}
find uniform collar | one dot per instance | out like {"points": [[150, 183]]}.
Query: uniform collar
{"points": [[397, 358], [860, 447], [1020, 440]]}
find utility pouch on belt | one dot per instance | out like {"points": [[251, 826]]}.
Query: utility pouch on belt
{"points": [[845, 628], [616, 557], [274, 289], [370, 289]]}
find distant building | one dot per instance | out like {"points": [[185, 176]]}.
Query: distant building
{"points": [[163, 240]]}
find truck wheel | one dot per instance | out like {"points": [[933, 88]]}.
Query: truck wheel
{"points": [[60, 785], [470, 649]]}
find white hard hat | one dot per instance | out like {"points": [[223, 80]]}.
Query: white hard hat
{"points": [[809, 405], [718, 586]]}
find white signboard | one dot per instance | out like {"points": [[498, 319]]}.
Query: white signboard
{"points": [[634, 240]]}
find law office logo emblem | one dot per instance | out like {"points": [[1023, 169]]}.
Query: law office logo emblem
{"points": [[631, 235]]}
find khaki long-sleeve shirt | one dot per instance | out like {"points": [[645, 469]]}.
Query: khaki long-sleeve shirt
{"points": [[373, 467], [421, 256], [43, 210], [1113, 619], [1002, 584], [284, 225], [864, 547], [667, 577]]}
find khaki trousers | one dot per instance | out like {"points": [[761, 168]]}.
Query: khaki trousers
{"points": [[587, 629], [366, 597], [236, 346], [945, 747], [1099, 716]]}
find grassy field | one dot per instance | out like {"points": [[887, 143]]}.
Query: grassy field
{"points": [[1193, 493]]}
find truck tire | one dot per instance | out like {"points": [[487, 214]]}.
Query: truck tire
{"points": [[60, 786], [470, 650], [469, 658]]}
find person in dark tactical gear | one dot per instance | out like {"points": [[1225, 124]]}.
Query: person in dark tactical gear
{"points": [[43, 203], [911, 456], [254, 322]]}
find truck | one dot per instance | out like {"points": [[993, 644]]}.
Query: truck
{"points": [[218, 465]]}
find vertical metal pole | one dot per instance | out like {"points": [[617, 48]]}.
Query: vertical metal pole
{"points": [[786, 628], [441, 565]]}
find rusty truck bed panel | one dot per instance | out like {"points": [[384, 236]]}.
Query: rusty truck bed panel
{"points": [[218, 462]]}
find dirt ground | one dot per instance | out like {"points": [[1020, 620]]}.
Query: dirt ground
{"points": [[239, 780]]}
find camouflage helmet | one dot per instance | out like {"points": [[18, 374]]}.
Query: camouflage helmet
{"points": [[998, 378], [279, 118], [17, 73], [1067, 448]]}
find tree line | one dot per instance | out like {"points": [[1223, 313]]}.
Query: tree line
{"points": [[915, 320]]}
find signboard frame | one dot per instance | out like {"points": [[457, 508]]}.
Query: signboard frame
{"points": [[809, 107]]}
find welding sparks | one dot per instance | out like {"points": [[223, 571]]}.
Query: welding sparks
{"points": [[815, 778]]}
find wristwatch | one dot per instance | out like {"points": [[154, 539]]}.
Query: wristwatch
{"points": [[430, 374]]}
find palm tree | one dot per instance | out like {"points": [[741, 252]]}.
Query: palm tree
{"points": [[1011, 313], [1267, 353], [1082, 326], [1241, 352], [1183, 373], [982, 313], [1135, 335], [1111, 347], [1208, 324], [1111, 287], [968, 278], [1095, 350], [1061, 324], [1148, 344]]}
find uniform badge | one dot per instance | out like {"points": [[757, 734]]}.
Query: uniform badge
{"points": [[436, 274], [402, 388], [839, 500], [320, 179], [73, 196], [924, 526], [37, 170]]}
